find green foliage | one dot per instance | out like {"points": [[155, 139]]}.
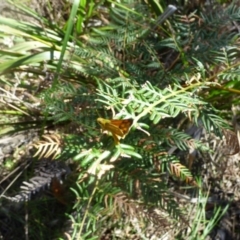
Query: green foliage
{"points": [[122, 70], [201, 221]]}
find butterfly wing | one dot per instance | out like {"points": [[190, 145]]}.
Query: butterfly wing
{"points": [[124, 125], [114, 129], [118, 128]]}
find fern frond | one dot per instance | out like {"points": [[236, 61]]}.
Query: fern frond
{"points": [[156, 103], [44, 172], [180, 171], [51, 146]]}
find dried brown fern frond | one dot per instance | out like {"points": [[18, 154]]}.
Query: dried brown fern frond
{"points": [[51, 146], [123, 204], [180, 171], [145, 221]]}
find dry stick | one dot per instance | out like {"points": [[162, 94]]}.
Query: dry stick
{"points": [[2, 195], [26, 226], [167, 13]]}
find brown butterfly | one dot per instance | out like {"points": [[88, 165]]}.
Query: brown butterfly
{"points": [[118, 128]]}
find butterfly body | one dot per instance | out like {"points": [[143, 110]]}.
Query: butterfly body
{"points": [[118, 127]]}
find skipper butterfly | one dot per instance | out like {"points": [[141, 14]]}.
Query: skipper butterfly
{"points": [[118, 128]]}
